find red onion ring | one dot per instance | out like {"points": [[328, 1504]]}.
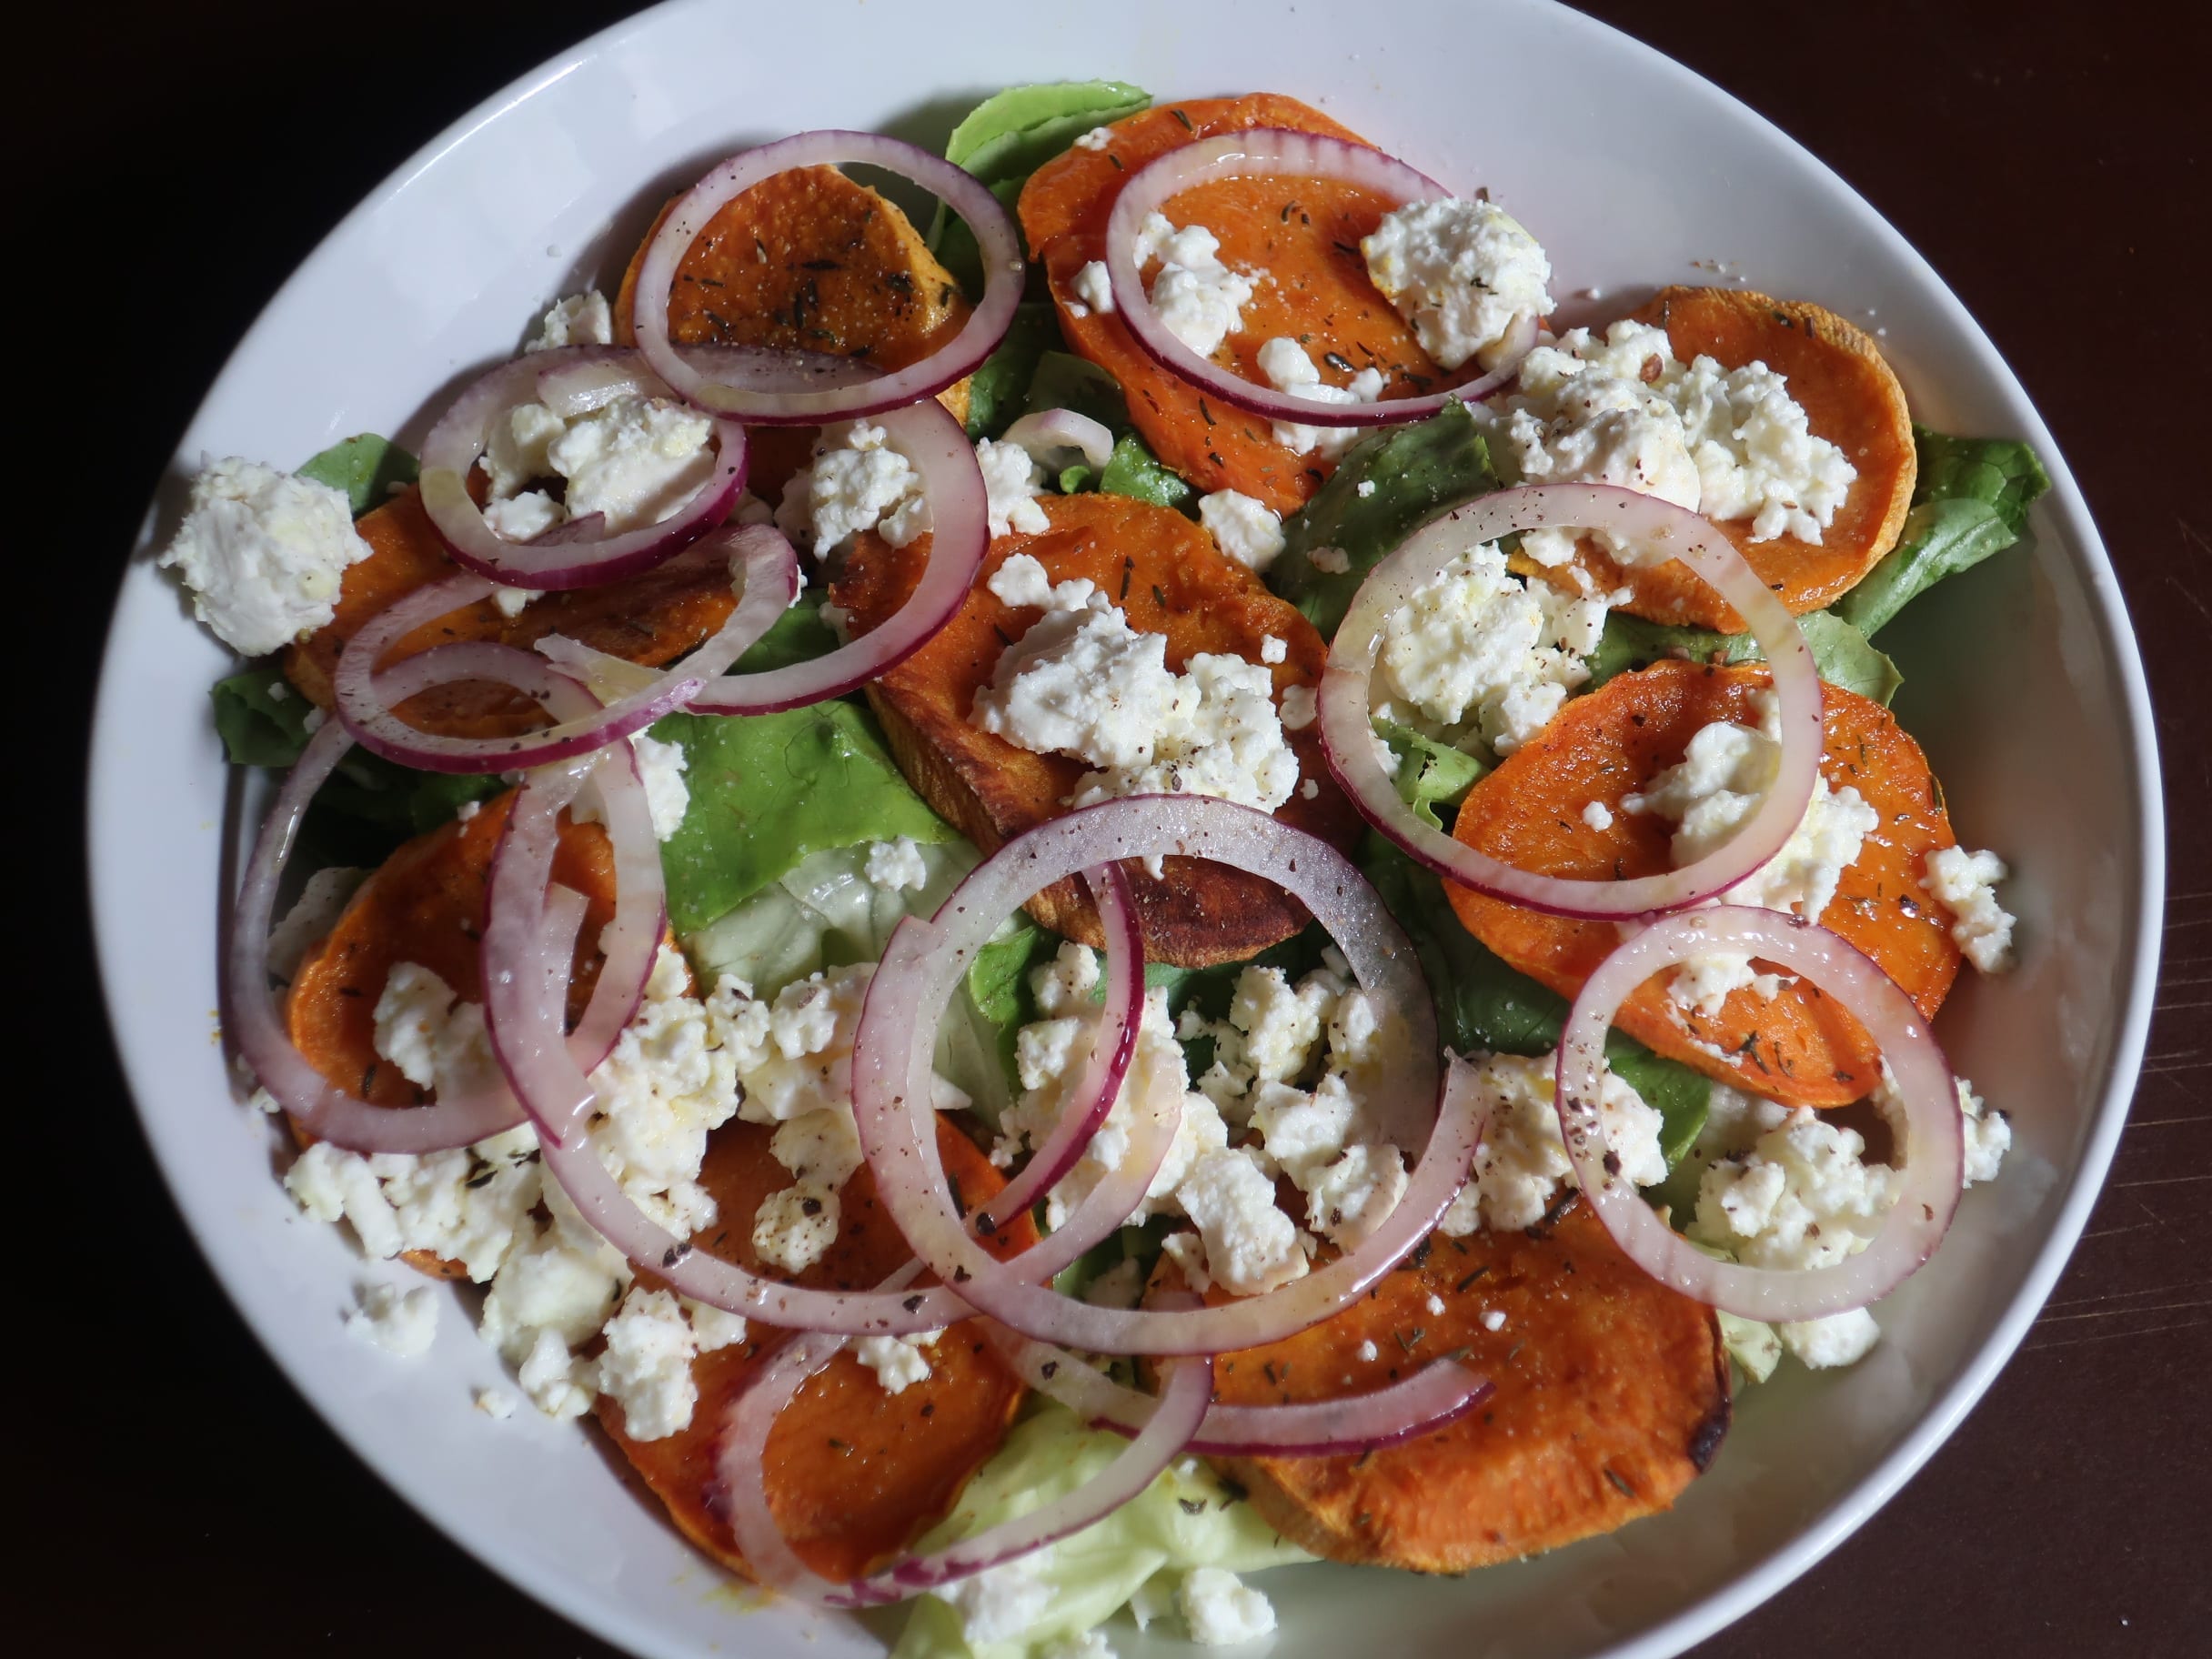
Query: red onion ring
{"points": [[1272, 152], [1932, 1171], [920, 965], [1049, 434], [960, 537], [1347, 692], [794, 406], [1175, 1415], [457, 441], [591, 376], [251, 1016], [771, 582], [1440, 1392]]}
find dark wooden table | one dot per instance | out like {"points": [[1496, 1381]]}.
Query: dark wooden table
{"points": [[2052, 163]]}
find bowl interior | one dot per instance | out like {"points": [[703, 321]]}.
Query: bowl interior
{"points": [[545, 190]]}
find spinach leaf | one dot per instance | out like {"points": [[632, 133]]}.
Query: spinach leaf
{"points": [[768, 789], [1134, 470], [1010, 135], [1839, 652], [1417, 471], [997, 390], [1484, 1004], [365, 468], [1065, 381], [1971, 500], [261, 720], [1431, 776]]}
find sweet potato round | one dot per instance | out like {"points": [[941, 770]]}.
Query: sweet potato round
{"points": [[854, 1474], [1611, 1395], [1800, 1047], [1168, 578]]}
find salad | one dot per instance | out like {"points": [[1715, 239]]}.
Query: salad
{"points": [[1122, 889]]}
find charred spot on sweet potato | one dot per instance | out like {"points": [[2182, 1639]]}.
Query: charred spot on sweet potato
{"points": [[1801, 1046], [1170, 578]]}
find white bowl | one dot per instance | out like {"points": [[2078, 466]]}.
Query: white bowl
{"points": [[1630, 169]]}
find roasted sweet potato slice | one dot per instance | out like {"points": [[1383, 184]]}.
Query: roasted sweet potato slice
{"points": [[425, 904], [1612, 1395], [853, 1474], [1800, 1047], [1304, 233], [1850, 397], [1170, 578], [652, 618]]}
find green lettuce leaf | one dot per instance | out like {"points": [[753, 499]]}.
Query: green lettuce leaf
{"points": [[799, 635], [1484, 1004], [1433, 777], [1134, 470], [1065, 381], [768, 791], [1188, 1517], [1840, 652], [1417, 471], [998, 987], [1009, 136], [998, 391], [365, 468], [1971, 500]]}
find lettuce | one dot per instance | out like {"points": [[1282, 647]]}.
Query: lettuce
{"points": [[365, 466], [1484, 1004], [1840, 652], [1189, 1517], [1431, 776], [768, 791], [1065, 381], [1970, 499], [999, 390], [1417, 471]]}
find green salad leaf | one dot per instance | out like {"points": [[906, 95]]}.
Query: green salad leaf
{"points": [[999, 390], [1971, 500], [1841, 652], [1417, 471], [998, 986], [799, 635], [1484, 1004], [1065, 381], [1187, 1518], [768, 791], [1433, 777], [1011, 134], [1134, 470], [365, 466]]}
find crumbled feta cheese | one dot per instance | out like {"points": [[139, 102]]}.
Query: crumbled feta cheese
{"points": [[1436, 1304], [1330, 561], [856, 483], [1310, 790], [401, 1323], [794, 1229], [1709, 795], [263, 553], [897, 1362], [1222, 1610], [1621, 410], [1369, 1352], [1352, 1196], [1197, 298], [1494, 1320], [1366, 487], [1242, 528], [1097, 138], [1965, 883], [1289, 369], [999, 1603], [1010, 482], [634, 460], [560, 1384], [1598, 815], [1522, 1163], [496, 1403], [660, 770], [1094, 288], [896, 865], [1273, 651], [1300, 707], [646, 1366], [523, 518], [581, 319], [1020, 581], [1251, 1246], [1462, 271], [1839, 1339]]}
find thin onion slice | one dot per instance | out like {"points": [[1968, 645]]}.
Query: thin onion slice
{"points": [[251, 1016], [800, 403], [768, 580], [1051, 436], [921, 966], [1273, 152], [742, 1460], [1932, 1168], [1347, 731], [1440, 1392], [960, 537], [552, 561]]}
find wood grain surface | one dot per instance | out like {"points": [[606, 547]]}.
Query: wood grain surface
{"points": [[2051, 162]]}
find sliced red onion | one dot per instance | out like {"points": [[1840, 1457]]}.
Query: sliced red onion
{"points": [[921, 964], [321, 1108], [459, 440], [1932, 1168], [591, 376], [1175, 1414], [1440, 1392], [798, 403], [1273, 152], [768, 572], [1347, 692], [1050, 435]]}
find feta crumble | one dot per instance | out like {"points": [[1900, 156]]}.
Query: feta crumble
{"points": [[636, 460], [1097, 138], [1011, 479], [1289, 369], [897, 1362], [1463, 272], [896, 865], [646, 1366], [403, 1323], [263, 554], [581, 319], [1965, 884], [1197, 298], [1093, 287], [1523, 1163], [1242, 528], [1220, 1610], [855, 482]]}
